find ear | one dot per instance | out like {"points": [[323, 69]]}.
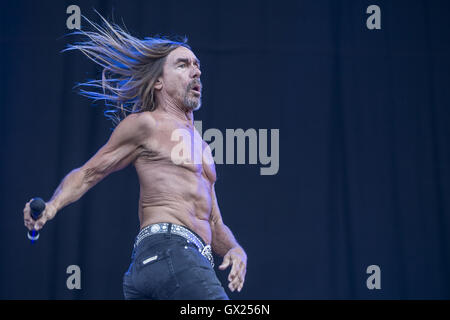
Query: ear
{"points": [[158, 84]]}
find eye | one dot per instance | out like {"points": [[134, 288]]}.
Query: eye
{"points": [[182, 65]]}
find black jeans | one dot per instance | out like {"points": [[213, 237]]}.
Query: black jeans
{"points": [[166, 266]]}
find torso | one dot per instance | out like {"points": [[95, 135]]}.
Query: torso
{"points": [[175, 189]]}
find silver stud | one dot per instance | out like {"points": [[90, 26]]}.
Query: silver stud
{"points": [[155, 228]]}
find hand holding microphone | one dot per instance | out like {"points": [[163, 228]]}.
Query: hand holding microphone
{"points": [[36, 214]]}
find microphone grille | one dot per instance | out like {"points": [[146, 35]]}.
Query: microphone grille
{"points": [[37, 204]]}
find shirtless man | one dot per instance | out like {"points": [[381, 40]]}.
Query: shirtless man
{"points": [[180, 220]]}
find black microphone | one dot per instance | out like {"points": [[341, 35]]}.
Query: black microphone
{"points": [[37, 205]]}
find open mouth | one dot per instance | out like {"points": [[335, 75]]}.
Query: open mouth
{"points": [[196, 88]]}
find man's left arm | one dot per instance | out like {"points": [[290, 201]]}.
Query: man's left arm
{"points": [[224, 244]]}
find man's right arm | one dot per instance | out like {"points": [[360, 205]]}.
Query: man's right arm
{"points": [[121, 149]]}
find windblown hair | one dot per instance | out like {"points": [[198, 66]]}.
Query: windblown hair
{"points": [[130, 68]]}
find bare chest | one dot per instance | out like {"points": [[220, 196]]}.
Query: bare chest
{"points": [[179, 147]]}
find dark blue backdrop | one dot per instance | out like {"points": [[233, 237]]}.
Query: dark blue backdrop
{"points": [[363, 116]]}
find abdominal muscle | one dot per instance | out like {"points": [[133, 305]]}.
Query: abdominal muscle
{"points": [[174, 194]]}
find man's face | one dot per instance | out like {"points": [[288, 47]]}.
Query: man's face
{"points": [[181, 78]]}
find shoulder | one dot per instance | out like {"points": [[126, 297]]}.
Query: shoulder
{"points": [[135, 126], [138, 122]]}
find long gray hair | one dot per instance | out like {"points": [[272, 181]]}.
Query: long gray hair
{"points": [[130, 68]]}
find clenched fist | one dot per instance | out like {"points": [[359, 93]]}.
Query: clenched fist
{"points": [[48, 214]]}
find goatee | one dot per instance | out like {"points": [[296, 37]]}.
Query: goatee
{"points": [[190, 102]]}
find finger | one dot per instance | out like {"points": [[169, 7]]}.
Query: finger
{"points": [[27, 219], [234, 270], [233, 285], [225, 263], [243, 270], [235, 280], [26, 210], [28, 203], [40, 223], [241, 277], [29, 225], [242, 274]]}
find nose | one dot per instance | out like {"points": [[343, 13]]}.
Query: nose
{"points": [[197, 73]]}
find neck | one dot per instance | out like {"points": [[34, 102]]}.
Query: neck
{"points": [[175, 110]]}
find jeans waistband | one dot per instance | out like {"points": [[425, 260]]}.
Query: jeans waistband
{"points": [[189, 235]]}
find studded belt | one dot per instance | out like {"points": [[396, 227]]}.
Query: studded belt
{"points": [[163, 227]]}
